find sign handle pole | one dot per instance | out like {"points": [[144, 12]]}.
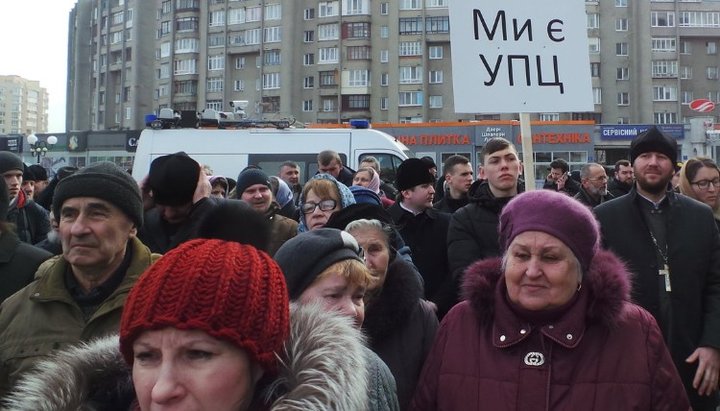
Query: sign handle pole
{"points": [[527, 150]]}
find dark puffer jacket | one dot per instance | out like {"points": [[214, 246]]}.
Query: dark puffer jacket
{"points": [[600, 353]]}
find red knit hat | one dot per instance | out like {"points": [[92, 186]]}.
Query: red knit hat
{"points": [[229, 290]]}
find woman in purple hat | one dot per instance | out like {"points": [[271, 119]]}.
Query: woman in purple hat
{"points": [[549, 326]]}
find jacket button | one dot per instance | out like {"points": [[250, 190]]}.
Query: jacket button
{"points": [[502, 338], [569, 336], [36, 295], [551, 326], [523, 331]]}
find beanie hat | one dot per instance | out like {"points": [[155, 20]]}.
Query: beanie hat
{"points": [[28, 175], [653, 140], [365, 195], [429, 162], [413, 172], [106, 181], [10, 161], [570, 222], [305, 256], [230, 291], [173, 179], [249, 177], [39, 172]]}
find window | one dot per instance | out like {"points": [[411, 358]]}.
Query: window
{"points": [[621, 3], [410, 98], [435, 77], [215, 84], [239, 63], [623, 120], [308, 59], [436, 3], [328, 31], [665, 69], [685, 47], [165, 49], [699, 19], [621, 24], [309, 36], [435, 52], [665, 118], [214, 40], [595, 69], [252, 36], [384, 79], [236, 16], [309, 82], [188, 45], [329, 104], [309, 14], [307, 105], [410, 4], [384, 8], [188, 66], [711, 47], [239, 85], [216, 105], [327, 55], [187, 24], [712, 73], [410, 25], [410, 75], [328, 78], [384, 32], [360, 30], [164, 71], [594, 45], [686, 72], [410, 48], [270, 81], [273, 12], [272, 58], [663, 44], [116, 37], [439, 24], [687, 97], [435, 101], [384, 56], [597, 95], [356, 102], [623, 98], [327, 8], [593, 20], [216, 62], [355, 7], [549, 116], [272, 34], [359, 53], [664, 93], [622, 73], [621, 49], [662, 19], [117, 18], [217, 18], [383, 103], [359, 78], [186, 4]]}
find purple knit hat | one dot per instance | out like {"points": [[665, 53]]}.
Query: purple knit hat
{"points": [[555, 214]]}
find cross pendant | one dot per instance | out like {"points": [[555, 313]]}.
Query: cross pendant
{"points": [[665, 272]]}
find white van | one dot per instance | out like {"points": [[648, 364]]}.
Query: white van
{"points": [[229, 151]]}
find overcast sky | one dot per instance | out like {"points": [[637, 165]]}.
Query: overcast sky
{"points": [[34, 39]]}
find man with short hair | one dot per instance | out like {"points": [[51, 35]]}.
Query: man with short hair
{"points": [[30, 219], [424, 230], [28, 183], [472, 234], [671, 245], [622, 180], [458, 176], [79, 295], [41, 178], [253, 187], [593, 185], [290, 173], [181, 194], [329, 162], [559, 179]]}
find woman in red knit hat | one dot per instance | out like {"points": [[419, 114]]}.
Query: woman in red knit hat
{"points": [[209, 327]]}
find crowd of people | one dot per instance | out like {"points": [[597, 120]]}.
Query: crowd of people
{"points": [[436, 291]]}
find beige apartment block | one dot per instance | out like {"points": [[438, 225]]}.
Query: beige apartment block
{"points": [[23, 106]]}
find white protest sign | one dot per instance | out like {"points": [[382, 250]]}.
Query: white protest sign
{"points": [[516, 56]]}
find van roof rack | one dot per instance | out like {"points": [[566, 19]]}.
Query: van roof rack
{"points": [[225, 124]]}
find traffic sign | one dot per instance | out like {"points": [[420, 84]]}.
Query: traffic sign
{"points": [[702, 105]]}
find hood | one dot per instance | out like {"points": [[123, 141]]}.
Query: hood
{"points": [[323, 366], [607, 281]]}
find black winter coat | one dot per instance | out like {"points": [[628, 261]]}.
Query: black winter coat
{"points": [[160, 238], [694, 259], [18, 263], [473, 232], [32, 221]]}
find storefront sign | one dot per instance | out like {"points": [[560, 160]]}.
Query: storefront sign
{"points": [[630, 131]]}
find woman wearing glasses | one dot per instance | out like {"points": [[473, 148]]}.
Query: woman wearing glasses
{"points": [[320, 198], [700, 179]]}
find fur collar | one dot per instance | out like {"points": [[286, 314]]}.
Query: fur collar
{"points": [[322, 367], [607, 281], [400, 295]]}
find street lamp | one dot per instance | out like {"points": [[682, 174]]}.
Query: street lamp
{"points": [[40, 148]]}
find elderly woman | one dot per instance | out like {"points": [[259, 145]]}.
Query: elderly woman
{"points": [[369, 178], [550, 326], [320, 198], [203, 329], [401, 325], [325, 267], [700, 179]]}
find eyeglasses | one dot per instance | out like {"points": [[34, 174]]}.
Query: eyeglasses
{"points": [[601, 178], [325, 205], [705, 184]]}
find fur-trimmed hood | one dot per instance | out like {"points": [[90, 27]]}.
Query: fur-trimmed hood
{"points": [[607, 283], [322, 366]]}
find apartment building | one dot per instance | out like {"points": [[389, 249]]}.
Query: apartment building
{"points": [[23, 106], [331, 61]]}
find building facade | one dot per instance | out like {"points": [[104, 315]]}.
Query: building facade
{"points": [[388, 61], [23, 106]]}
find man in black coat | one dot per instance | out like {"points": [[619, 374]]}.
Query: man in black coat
{"points": [[622, 180], [458, 174], [32, 222], [473, 231], [672, 246], [329, 162], [424, 230]]}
